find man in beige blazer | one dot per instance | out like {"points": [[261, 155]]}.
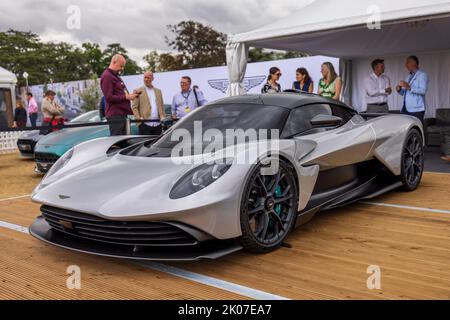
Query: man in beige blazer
{"points": [[149, 106], [50, 109]]}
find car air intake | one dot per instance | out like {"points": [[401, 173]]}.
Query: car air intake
{"points": [[43, 157], [126, 233]]}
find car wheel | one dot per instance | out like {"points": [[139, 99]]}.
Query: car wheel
{"points": [[412, 161], [268, 208]]}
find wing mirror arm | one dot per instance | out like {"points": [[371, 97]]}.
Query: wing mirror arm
{"points": [[325, 121]]}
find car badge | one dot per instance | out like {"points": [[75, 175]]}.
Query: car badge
{"points": [[66, 224]]}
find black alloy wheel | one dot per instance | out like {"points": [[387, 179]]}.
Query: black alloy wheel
{"points": [[268, 208]]}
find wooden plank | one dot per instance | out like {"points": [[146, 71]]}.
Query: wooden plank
{"points": [[34, 270], [328, 259]]}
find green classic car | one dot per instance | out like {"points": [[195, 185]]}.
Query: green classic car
{"points": [[52, 146]]}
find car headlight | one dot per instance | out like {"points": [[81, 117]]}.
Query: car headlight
{"points": [[60, 163], [199, 178], [55, 168]]}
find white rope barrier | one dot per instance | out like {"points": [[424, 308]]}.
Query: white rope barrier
{"points": [[8, 141]]}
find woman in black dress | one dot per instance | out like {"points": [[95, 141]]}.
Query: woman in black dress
{"points": [[272, 85]]}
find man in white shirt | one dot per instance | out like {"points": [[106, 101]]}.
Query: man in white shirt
{"points": [[149, 106], [377, 87]]}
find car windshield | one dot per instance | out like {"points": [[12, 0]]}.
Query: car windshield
{"points": [[224, 120], [91, 116]]}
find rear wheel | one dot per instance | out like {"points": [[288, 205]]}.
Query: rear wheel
{"points": [[412, 161], [268, 208]]}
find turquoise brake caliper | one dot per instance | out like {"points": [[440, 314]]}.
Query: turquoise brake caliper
{"points": [[278, 194]]}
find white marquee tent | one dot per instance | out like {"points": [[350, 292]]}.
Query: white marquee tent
{"points": [[347, 29], [7, 79], [8, 87]]}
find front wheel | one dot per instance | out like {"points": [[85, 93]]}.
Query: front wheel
{"points": [[268, 208], [412, 161]]}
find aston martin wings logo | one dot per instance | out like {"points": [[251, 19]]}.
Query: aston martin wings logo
{"points": [[249, 83]]}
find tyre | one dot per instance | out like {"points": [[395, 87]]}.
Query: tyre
{"points": [[268, 208], [412, 164]]}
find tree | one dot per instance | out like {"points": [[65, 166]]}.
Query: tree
{"points": [[66, 62], [131, 68], [56, 61], [260, 55], [195, 45], [44, 62], [91, 96], [94, 56], [20, 52], [163, 62], [294, 54], [199, 45]]}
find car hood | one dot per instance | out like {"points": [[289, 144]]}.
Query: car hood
{"points": [[73, 136], [33, 135], [129, 187], [112, 183]]}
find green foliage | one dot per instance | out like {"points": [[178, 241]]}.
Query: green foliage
{"points": [[47, 62], [259, 55], [94, 56], [162, 62], [91, 96], [196, 46], [200, 46], [131, 68]]}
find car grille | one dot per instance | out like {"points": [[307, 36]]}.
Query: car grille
{"points": [[94, 228], [44, 161], [46, 157], [26, 146]]}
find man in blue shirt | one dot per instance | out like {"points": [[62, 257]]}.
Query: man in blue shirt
{"points": [[414, 89], [187, 100]]}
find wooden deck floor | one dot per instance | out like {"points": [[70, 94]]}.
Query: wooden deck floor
{"points": [[328, 259]]}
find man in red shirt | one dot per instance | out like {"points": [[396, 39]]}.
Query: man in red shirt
{"points": [[117, 97]]}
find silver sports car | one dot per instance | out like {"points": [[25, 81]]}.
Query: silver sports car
{"points": [[239, 173]]}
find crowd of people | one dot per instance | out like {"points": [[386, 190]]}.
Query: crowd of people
{"points": [[330, 85], [377, 86], [53, 113], [146, 103]]}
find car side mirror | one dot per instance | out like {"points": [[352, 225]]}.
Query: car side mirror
{"points": [[323, 121]]}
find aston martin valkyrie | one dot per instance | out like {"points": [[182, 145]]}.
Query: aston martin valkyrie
{"points": [[285, 157]]}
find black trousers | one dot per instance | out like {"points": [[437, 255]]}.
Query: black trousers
{"points": [[145, 130], [117, 125], [419, 115]]}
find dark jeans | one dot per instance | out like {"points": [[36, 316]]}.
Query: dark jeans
{"points": [[33, 119], [419, 115], [117, 125], [145, 130]]}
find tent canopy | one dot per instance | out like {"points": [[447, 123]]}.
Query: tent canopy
{"points": [[7, 77], [345, 29], [340, 28]]}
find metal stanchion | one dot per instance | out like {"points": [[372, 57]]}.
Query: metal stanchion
{"points": [[128, 128]]}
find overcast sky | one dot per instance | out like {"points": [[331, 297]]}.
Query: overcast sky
{"points": [[139, 25]]}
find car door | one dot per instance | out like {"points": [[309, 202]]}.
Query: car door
{"points": [[331, 147]]}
